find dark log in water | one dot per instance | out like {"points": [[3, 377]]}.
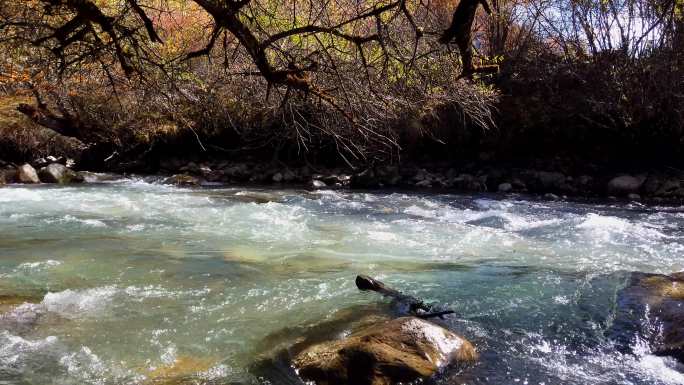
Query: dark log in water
{"points": [[416, 307]]}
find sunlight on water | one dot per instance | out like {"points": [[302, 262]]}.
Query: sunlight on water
{"points": [[131, 282]]}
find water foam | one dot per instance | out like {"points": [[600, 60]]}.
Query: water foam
{"points": [[80, 303]]}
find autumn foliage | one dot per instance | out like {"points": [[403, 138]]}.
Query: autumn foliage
{"points": [[366, 80]]}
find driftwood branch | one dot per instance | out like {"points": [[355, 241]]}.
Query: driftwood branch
{"points": [[417, 307]]}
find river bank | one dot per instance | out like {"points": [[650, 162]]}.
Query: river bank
{"points": [[545, 179]]}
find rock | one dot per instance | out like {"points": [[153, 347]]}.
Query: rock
{"points": [[27, 174], [98, 177], [651, 184], [289, 176], [205, 170], [171, 164], [8, 175], [61, 159], [259, 197], [59, 173], [317, 184], [634, 197], [467, 182], [397, 351], [518, 185], [494, 222], [505, 187], [364, 179], [551, 197], [551, 180], [653, 305], [624, 185], [425, 183], [668, 187], [182, 180], [40, 163], [184, 370], [191, 168], [388, 175], [277, 177]]}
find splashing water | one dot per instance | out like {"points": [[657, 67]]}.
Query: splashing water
{"points": [[128, 282]]}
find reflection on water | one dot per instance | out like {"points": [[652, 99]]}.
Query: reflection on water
{"points": [[136, 283]]}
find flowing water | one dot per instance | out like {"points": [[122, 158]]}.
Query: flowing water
{"points": [[128, 282]]}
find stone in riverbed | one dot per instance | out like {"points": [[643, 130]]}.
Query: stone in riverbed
{"points": [[401, 350], [551, 197], [505, 187], [624, 185], [653, 304], [184, 370], [59, 173], [318, 184], [27, 174], [551, 180], [668, 188], [183, 180], [8, 173], [634, 197]]}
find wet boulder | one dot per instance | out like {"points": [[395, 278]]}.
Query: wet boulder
{"points": [[183, 180], [59, 173], [551, 180], [7, 176], [624, 185], [318, 184], [389, 352], [505, 187], [27, 174], [652, 306], [259, 197]]}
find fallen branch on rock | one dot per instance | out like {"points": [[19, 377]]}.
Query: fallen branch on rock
{"points": [[416, 307]]}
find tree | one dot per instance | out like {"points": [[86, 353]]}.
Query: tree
{"points": [[366, 61]]}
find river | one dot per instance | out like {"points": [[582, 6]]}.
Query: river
{"points": [[127, 281]]}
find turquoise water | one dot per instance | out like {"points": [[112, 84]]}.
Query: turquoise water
{"points": [[131, 282]]}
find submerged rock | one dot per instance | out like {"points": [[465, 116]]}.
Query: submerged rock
{"points": [[259, 197], [401, 350], [184, 370], [653, 305], [27, 174], [59, 173], [19, 313]]}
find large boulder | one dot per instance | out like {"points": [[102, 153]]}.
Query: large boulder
{"points": [[389, 352], [624, 185], [27, 174], [652, 306], [8, 175], [59, 173]]}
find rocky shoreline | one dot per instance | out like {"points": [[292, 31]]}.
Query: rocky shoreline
{"points": [[657, 187]]}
